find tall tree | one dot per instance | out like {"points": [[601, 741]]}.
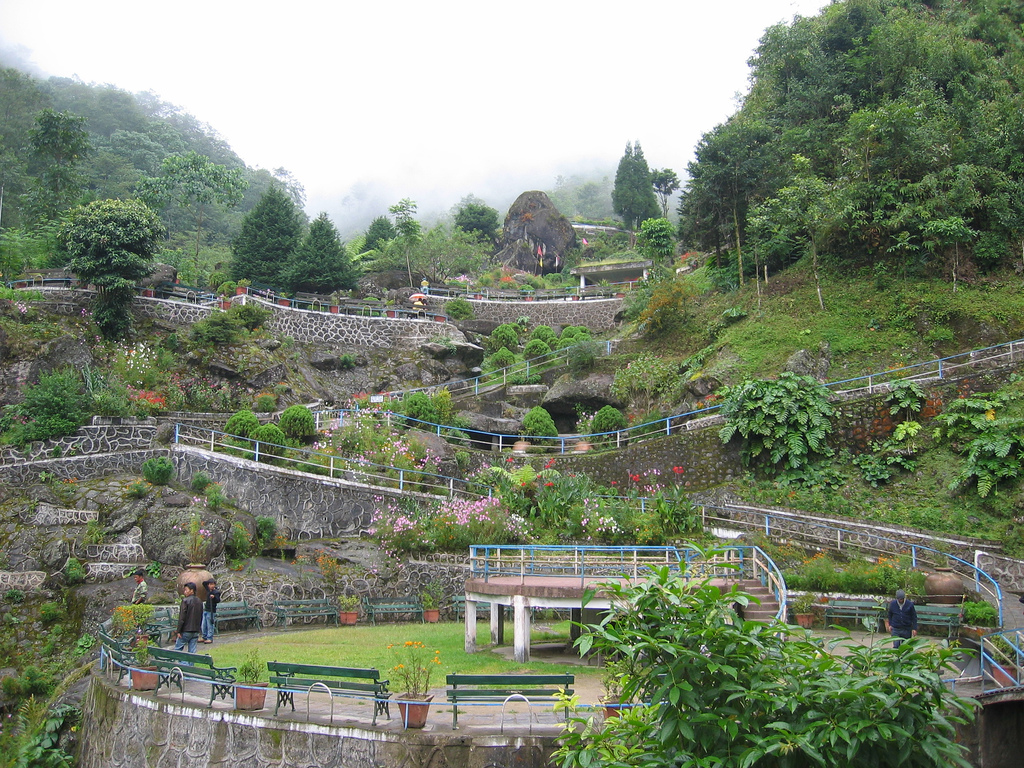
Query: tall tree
{"points": [[407, 227], [270, 232], [633, 196], [666, 184], [111, 245], [656, 239], [59, 145], [477, 218], [379, 232], [320, 264], [193, 182]]}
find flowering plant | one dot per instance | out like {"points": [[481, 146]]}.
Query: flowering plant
{"points": [[412, 668], [196, 537]]}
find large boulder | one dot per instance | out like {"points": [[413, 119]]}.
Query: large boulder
{"points": [[592, 393], [536, 237]]}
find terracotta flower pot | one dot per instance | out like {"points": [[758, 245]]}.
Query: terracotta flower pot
{"points": [[241, 290], [348, 617], [144, 679], [251, 697], [432, 615], [197, 574], [284, 302], [414, 713], [334, 309], [805, 620]]}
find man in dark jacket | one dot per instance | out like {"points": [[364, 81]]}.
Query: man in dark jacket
{"points": [[190, 619], [210, 610], [901, 620]]}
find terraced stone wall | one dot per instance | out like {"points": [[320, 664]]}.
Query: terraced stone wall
{"points": [[596, 314]]}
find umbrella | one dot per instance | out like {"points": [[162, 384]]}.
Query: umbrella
{"points": [[417, 296]]}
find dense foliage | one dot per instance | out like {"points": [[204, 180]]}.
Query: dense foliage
{"points": [[908, 121], [733, 694]]}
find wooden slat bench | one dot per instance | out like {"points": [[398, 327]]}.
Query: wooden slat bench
{"points": [[163, 624], [459, 607], [839, 608], [306, 609], [236, 610], [383, 606], [936, 615], [496, 689], [192, 665], [350, 682], [117, 655]]}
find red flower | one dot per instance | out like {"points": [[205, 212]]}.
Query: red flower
{"points": [[635, 478], [548, 484], [615, 482], [679, 470]]}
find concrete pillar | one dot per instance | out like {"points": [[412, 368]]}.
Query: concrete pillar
{"points": [[497, 624], [470, 626], [575, 616], [520, 629]]}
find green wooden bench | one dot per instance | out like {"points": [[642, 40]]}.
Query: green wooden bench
{"points": [[839, 608], [935, 615], [384, 606], [496, 689], [115, 655], [236, 610], [349, 682], [177, 666], [163, 624], [313, 608], [459, 607]]}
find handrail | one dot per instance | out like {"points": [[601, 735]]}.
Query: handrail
{"points": [[379, 475], [1002, 658], [984, 583]]}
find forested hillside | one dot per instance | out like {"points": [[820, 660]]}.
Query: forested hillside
{"points": [[887, 132], [63, 142]]}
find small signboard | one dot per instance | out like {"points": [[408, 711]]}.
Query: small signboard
{"points": [[376, 398]]}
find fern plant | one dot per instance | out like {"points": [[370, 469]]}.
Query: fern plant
{"points": [[991, 441], [783, 423]]}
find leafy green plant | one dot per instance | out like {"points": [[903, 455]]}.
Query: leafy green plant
{"points": [[536, 348], [459, 309], [159, 470], [538, 423], [432, 595], [980, 614], [266, 530], [348, 603], [252, 667], [643, 381], [50, 612], [138, 489], [14, 595], [991, 441], [55, 406], [215, 498], [297, 422], [265, 403], [783, 423], [504, 336], [608, 419], [271, 440], [243, 423], [74, 571]]}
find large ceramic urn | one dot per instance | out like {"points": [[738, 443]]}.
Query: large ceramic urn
{"points": [[943, 586], [197, 574]]}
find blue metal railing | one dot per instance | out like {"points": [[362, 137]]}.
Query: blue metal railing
{"points": [[1002, 657]]}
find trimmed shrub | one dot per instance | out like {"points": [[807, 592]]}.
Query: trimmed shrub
{"points": [[219, 328], [159, 470], [242, 424], [251, 316], [545, 334], [270, 437], [538, 423], [536, 348], [265, 403], [505, 335], [298, 423], [419, 406], [608, 419], [503, 358]]}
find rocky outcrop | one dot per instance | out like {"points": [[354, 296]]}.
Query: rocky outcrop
{"points": [[536, 237], [591, 393]]}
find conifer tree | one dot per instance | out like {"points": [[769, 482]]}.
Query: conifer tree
{"points": [[270, 233], [320, 264], [633, 195]]}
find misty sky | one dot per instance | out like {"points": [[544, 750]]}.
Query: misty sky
{"points": [[369, 102]]}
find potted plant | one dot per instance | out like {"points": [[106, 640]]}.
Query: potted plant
{"points": [[130, 619], [242, 287], [348, 609], [431, 599], [613, 679], [252, 693], [801, 608], [414, 664], [143, 676]]}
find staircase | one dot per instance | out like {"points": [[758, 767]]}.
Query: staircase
{"points": [[769, 606]]}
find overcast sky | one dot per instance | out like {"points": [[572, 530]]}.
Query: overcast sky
{"points": [[369, 102]]}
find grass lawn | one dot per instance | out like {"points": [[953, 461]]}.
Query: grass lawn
{"points": [[364, 645]]}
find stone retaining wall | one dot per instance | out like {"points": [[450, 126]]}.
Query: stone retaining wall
{"points": [[131, 731], [596, 314]]}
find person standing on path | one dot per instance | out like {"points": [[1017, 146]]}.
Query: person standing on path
{"points": [[210, 610], [141, 588], [901, 619], [190, 620]]}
